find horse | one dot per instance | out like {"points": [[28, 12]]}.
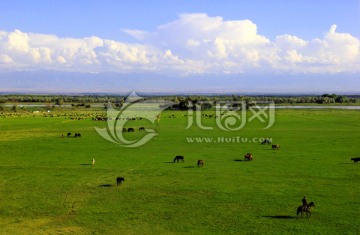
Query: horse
{"points": [[305, 208], [177, 158], [119, 180], [276, 146], [200, 163], [248, 156]]}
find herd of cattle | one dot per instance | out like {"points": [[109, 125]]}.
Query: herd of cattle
{"points": [[247, 156], [130, 129], [179, 158], [200, 162], [69, 135]]}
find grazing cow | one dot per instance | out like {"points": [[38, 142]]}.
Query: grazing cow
{"points": [[141, 129], [266, 141], [130, 129], [93, 162], [68, 134], [355, 159], [200, 163], [179, 158], [248, 156], [275, 146], [119, 180]]}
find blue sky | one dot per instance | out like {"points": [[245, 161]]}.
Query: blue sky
{"points": [[217, 46]]}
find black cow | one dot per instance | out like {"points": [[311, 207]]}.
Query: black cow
{"points": [[142, 129], [68, 134], [355, 159], [130, 129], [179, 158], [119, 180]]}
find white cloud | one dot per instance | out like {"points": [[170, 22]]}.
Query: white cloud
{"points": [[5, 59], [18, 41], [290, 42], [192, 44], [336, 52]]}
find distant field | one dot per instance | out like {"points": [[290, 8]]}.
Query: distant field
{"points": [[48, 185]]}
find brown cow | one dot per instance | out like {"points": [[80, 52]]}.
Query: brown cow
{"points": [[200, 163], [275, 146], [248, 156]]}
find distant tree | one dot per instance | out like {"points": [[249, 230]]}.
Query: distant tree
{"points": [[334, 96], [59, 101], [184, 104], [340, 99], [352, 100], [206, 105], [14, 107]]}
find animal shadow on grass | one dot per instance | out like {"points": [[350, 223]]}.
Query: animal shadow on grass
{"points": [[241, 160], [169, 162], [106, 185], [190, 167], [279, 216], [85, 164]]}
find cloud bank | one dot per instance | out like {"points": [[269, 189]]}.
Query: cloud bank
{"points": [[192, 44]]}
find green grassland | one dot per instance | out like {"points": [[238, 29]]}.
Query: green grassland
{"points": [[48, 185]]}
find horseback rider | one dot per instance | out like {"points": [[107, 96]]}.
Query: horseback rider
{"points": [[304, 202]]}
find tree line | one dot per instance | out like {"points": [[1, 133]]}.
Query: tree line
{"points": [[58, 98], [180, 102]]}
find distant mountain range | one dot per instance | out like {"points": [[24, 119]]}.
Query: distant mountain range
{"points": [[53, 82]]}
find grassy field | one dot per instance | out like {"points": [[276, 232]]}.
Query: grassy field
{"points": [[48, 185]]}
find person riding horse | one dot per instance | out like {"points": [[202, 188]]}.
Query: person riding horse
{"points": [[304, 202]]}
